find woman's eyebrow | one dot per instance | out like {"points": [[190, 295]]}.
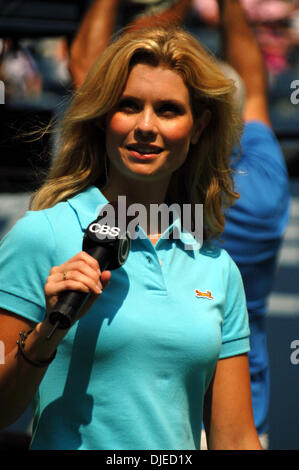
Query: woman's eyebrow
{"points": [[159, 101], [173, 101], [128, 97]]}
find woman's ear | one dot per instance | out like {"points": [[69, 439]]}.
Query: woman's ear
{"points": [[200, 124]]}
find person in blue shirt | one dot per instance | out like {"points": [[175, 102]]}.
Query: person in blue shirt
{"points": [[162, 342], [255, 224]]}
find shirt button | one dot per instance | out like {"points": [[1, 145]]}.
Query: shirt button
{"points": [[160, 261], [149, 259]]}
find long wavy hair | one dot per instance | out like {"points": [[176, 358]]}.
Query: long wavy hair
{"points": [[206, 175]]}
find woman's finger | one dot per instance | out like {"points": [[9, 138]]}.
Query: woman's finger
{"points": [[82, 273], [105, 278], [72, 280], [79, 266], [85, 258]]}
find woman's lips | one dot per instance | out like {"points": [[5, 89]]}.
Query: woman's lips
{"points": [[143, 156], [144, 152]]}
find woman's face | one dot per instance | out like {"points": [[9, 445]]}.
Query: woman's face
{"points": [[149, 132]]}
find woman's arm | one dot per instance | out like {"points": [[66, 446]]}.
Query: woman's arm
{"points": [[237, 36], [92, 38], [228, 415], [19, 380]]}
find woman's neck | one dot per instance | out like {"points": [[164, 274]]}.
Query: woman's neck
{"points": [[143, 193]]}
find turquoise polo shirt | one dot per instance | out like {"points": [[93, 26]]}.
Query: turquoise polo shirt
{"points": [[132, 373]]}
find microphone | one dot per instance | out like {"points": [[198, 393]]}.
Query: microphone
{"points": [[109, 243]]}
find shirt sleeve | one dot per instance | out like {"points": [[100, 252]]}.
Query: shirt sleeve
{"points": [[27, 253], [256, 222], [235, 327], [259, 172]]}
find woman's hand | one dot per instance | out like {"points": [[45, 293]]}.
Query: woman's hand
{"points": [[82, 273]]}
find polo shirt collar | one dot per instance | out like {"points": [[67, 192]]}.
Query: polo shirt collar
{"points": [[177, 231], [88, 204]]}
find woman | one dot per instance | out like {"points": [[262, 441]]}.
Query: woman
{"points": [[164, 346]]}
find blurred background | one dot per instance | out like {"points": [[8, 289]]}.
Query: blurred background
{"points": [[35, 86]]}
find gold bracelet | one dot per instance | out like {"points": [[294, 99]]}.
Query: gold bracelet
{"points": [[21, 350]]}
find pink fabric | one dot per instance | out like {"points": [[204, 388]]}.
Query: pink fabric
{"points": [[256, 10]]}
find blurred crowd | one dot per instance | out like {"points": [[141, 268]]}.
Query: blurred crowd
{"points": [[35, 71], [276, 23]]}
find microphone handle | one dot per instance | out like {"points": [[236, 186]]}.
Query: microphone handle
{"points": [[70, 302]]}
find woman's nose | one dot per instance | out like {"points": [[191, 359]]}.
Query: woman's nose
{"points": [[146, 126]]}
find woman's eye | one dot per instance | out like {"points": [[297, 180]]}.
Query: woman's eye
{"points": [[128, 106], [169, 110]]}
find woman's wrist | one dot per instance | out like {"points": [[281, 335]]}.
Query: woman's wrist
{"points": [[23, 353], [37, 347]]}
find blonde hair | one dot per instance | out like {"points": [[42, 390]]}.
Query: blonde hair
{"points": [[205, 177]]}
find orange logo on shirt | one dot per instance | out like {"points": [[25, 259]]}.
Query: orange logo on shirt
{"points": [[207, 294]]}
